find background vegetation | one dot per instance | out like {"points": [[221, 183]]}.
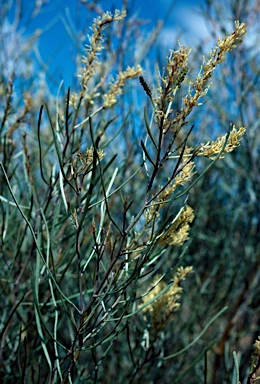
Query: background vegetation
{"points": [[119, 262]]}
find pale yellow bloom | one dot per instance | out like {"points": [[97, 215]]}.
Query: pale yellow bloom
{"points": [[89, 61], [168, 85], [184, 176], [115, 89], [214, 147], [178, 232], [74, 99], [200, 87], [161, 309]]}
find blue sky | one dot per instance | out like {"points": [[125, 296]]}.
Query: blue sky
{"points": [[59, 20]]}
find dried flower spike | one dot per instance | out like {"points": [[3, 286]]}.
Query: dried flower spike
{"points": [[145, 86]]}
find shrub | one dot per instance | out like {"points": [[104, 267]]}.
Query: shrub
{"points": [[94, 215]]}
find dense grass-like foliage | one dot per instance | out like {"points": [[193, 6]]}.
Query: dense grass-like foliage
{"points": [[129, 232]]}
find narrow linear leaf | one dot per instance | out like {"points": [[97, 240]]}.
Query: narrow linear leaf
{"points": [[147, 125], [58, 151], [146, 153], [235, 377], [194, 363], [40, 146], [198, 337]]}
